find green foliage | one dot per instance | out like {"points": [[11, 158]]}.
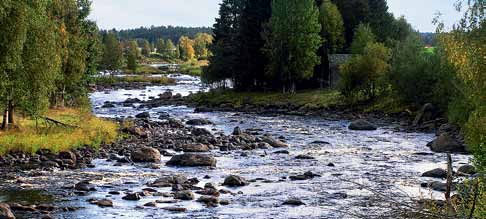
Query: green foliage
{"points": [[202, 41], [363, 36], [146, 50], [33, 135], [291, 41], [160, 46], [419, 77], [132, 54], [332, 26], [364, 74], [112, 53]]}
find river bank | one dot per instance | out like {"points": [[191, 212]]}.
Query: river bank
{"points": [[310, 171]]}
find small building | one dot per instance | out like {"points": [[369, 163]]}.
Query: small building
{"points": [[336, 60]]}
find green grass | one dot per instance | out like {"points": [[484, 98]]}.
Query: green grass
{"points": [[311, 99], [193, 68], [109, 80], [87, 130], [305, 100], [144, 69]]}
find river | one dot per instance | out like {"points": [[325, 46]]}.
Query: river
{"points": [[388, 160]]}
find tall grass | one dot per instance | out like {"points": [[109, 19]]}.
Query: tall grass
{"points": [[87, 130]]}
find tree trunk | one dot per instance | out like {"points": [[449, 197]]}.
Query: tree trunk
{"points": [[5, 120], [11, 113]]}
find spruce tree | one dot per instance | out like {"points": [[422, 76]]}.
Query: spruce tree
{"points": [[112, 52], [252, 61], [132, 54]]}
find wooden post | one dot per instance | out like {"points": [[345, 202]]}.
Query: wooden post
{"points": [[450, 207]]}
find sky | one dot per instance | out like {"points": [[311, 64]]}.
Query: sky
{"points": [[125, 14]]}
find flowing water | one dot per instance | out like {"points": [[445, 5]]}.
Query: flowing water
{"points": [[387, 160]]}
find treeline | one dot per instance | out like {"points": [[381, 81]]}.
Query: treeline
{"points": [[153, 34], [118, 53], [49, 50], [265, 44]]}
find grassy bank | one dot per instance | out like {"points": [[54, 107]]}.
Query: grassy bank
{"points": [[305, 100], [144, 69], [83, 129], [193, 68], [109, 80]]}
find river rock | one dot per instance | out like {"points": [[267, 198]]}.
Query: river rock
{"points": [[201, 132], [84, 186], [199, 122], [168, 181], [104, 203], [294, 202], [467, 169], [446, 144], [146, 154], [234, 181], [195, 148], [132, 197], [304, 157], [192, 160], [5, 212], [427, 113], [436, 173], [274, 142], [166, 95], [362, 125], [184, 195], [67, 155], [307, 175], [108, 105], [144, 115], [237, 131], [209, 200], [175, 209]]}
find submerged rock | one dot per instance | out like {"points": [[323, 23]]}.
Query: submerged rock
{"points": [[102, 203], [362, 125], [294, 202], [201, 132], [237, 131], [199, 122], [192, 160], [234, 180], [304, 157], [436, 173], [146, 154]]}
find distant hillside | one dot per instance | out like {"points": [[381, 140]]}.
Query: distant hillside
{"points": [[166, 32], [428, 38]]}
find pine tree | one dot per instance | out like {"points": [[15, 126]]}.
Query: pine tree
{"points": [[252, 61], [226, 45], [292, 40], [112, 52]]}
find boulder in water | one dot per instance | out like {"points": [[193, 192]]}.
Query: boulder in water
{"points": [[467, 169], [362, 125], [192, 160], [436, 173], [234, 181], [274, 142], [146, 154], [195, 148], [143, 115], [199, 122], [446, 144]]}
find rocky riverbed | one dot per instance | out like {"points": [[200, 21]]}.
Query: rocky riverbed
{"points": [[180, 163]]}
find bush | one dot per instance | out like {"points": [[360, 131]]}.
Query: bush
{"points": [[363, 74], [418, 76]]}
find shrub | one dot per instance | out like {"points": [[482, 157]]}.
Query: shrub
{"points": [[362, 75], [418, 76]]}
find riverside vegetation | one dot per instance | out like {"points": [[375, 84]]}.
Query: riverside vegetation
{"points": [[261, 57]]}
